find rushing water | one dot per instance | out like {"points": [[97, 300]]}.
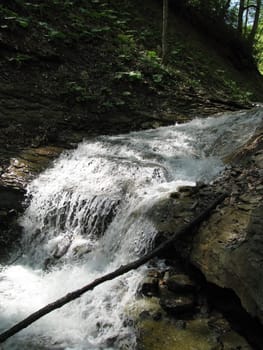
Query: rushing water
{"points": [[87, 216]]}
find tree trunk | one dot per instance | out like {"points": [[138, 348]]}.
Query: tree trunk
{"points": [[164, 31], [225, 8], [246, 20], [254, 29], [240, 16], [120, 271]]}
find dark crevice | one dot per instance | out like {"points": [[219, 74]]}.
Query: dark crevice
{"points": [[228, 303], [223, 300]]}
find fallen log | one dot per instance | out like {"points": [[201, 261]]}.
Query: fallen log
{"points": [[120, 271]]}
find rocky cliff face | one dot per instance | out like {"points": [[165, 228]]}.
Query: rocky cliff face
{"points": [[228, 247]]}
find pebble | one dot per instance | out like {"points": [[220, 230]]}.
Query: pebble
{"points": [[180, 283], [178, 305]]}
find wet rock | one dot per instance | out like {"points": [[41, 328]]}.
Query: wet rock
{"points": [[258, 159], [11, 198], [82, 249], [192, 334], [144, 315], [247, 198], [175, 195], [232, 340], [10, 235], [160, 328], [180, 324], [187, 190], [62, 248], [243, 206], [180, 283], [150, 286], [28, 164], [177, 304], [3, 214], [228, 247]]}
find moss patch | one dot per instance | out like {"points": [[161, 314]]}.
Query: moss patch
{"points": [[199, 334]]}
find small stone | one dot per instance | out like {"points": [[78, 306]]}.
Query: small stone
{"points": [[180, 324], [3, 214], [144, 315], [178, 305], [175, 195], [12, 213], [150, 286], [180, 283], [157, 316], [17, 163], [259, 188], [166, 276], [245, 207], [246, 198], [187, 190], [258, 159], [154, 273]]}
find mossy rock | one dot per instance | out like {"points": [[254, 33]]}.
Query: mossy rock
{"points": [[195, 335]]}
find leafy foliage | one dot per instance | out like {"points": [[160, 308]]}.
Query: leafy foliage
{"points": [[106, 54], [259, 47]]}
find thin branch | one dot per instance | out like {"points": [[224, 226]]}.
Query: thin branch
{"points": [[120, 271], [250, 6]]}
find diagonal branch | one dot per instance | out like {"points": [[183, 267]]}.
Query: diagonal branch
{"points": [[120, 271]]}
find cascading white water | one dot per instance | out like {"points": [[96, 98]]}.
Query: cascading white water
{"points": [[87, 216]]}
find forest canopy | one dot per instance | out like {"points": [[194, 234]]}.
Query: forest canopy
{"points": [[236, 23], [241, 19]]}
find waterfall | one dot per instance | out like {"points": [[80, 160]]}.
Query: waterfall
{"points": [[88, 215]]}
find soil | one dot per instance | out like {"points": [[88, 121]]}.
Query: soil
{"points": [[75, 69]]}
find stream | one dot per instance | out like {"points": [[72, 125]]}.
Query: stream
{"points": [[87, 215]]}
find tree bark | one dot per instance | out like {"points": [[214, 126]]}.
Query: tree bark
{"points": [[246, 20], [164, 31], [120, 271], [254, 29], [240, 16], [225, 8]]}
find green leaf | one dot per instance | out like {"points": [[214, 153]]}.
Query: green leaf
{"points": [[151, 54], [24, 23], [157, 78], [126, 93], [55, 34], [135, 74]]}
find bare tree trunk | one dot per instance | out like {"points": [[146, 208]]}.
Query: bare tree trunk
{"points": [[185, 229], [164, 31], [254, 29], [240, 16], [225, 8], [246, 20]]}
